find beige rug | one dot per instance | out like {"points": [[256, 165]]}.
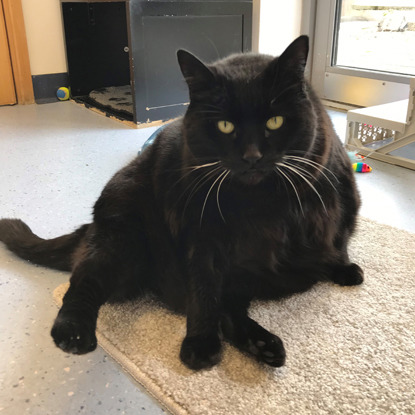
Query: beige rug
{"points": [[349, 350]]}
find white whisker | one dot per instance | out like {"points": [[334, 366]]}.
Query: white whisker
{"points": [[294, 188], [203, 165], [197, 183], [300, 168], [305, 171], [208, 193], [192, 169], [217, 195], [306, 180], [316, 165]]}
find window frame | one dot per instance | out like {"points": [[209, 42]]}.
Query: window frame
{"points": [[353, 87]]}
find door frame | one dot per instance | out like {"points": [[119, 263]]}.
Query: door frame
{"points": [[16, 34]]}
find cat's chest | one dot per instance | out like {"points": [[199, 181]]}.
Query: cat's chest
{"points": [[259, 247]]}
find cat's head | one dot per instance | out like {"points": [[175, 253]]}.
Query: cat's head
{"points": [[248, 111]]}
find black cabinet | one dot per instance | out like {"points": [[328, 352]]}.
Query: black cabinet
{"points": [[135, 43]]}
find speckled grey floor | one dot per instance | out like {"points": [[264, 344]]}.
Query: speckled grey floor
{"points": [[54, 161]]}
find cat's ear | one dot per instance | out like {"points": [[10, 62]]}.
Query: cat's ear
{"points": [[289, 67], [197, 75], [294, 58]]}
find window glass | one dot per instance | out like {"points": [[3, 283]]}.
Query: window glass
{"points": [[377, 35]]}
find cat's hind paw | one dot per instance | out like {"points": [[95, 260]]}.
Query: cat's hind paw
{"points": [[347, 275], [73, 336], [201, 352]]}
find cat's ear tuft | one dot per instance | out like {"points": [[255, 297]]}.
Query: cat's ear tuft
{"points": [[196, 73]]}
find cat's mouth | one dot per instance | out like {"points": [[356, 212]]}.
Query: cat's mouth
{"points": [[252, 176]]}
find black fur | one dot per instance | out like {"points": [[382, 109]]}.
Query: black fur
{"points": [[208, 220]]}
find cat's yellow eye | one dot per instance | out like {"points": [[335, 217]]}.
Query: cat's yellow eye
{"points": [[275, 122], [226, 127]]}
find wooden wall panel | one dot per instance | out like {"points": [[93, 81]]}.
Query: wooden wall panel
{"points": [[19, 53], [7, 92]]}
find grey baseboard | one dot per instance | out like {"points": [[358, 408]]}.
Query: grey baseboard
{"points": [[45, 86]]}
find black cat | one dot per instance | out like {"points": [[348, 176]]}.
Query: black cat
{"points": [[249, 195]]}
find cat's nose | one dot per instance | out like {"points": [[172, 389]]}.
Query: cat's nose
{"points": [[252, 154]]}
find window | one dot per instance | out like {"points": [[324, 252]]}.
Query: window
{"points": [[364, 50]]}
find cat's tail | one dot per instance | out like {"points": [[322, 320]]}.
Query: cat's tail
{"points": [[53, 253]]}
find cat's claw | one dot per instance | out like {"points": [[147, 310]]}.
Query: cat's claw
{"points": [[347, 275], [73, 337], [200, 352]]}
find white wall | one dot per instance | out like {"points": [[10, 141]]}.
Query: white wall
{"points": [[45, 39], [280, 24]]}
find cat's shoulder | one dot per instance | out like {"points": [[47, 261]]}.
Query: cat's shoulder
{"points": [[168, 137]]}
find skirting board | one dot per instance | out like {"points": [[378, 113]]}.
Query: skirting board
{"points": [[45, 86]]}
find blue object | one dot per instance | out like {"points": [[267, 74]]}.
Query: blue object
{"points": [[151, 139], [63, 93]]}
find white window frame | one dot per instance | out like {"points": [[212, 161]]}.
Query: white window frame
{"points": [[341, 86]]}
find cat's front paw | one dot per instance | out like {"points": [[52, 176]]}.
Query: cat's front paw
{"points": [[347, 275], [73, 336], [201, 352], [268, 349], [248, 336]]}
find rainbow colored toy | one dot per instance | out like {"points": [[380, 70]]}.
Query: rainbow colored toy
{"points": [[361, 167]]}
